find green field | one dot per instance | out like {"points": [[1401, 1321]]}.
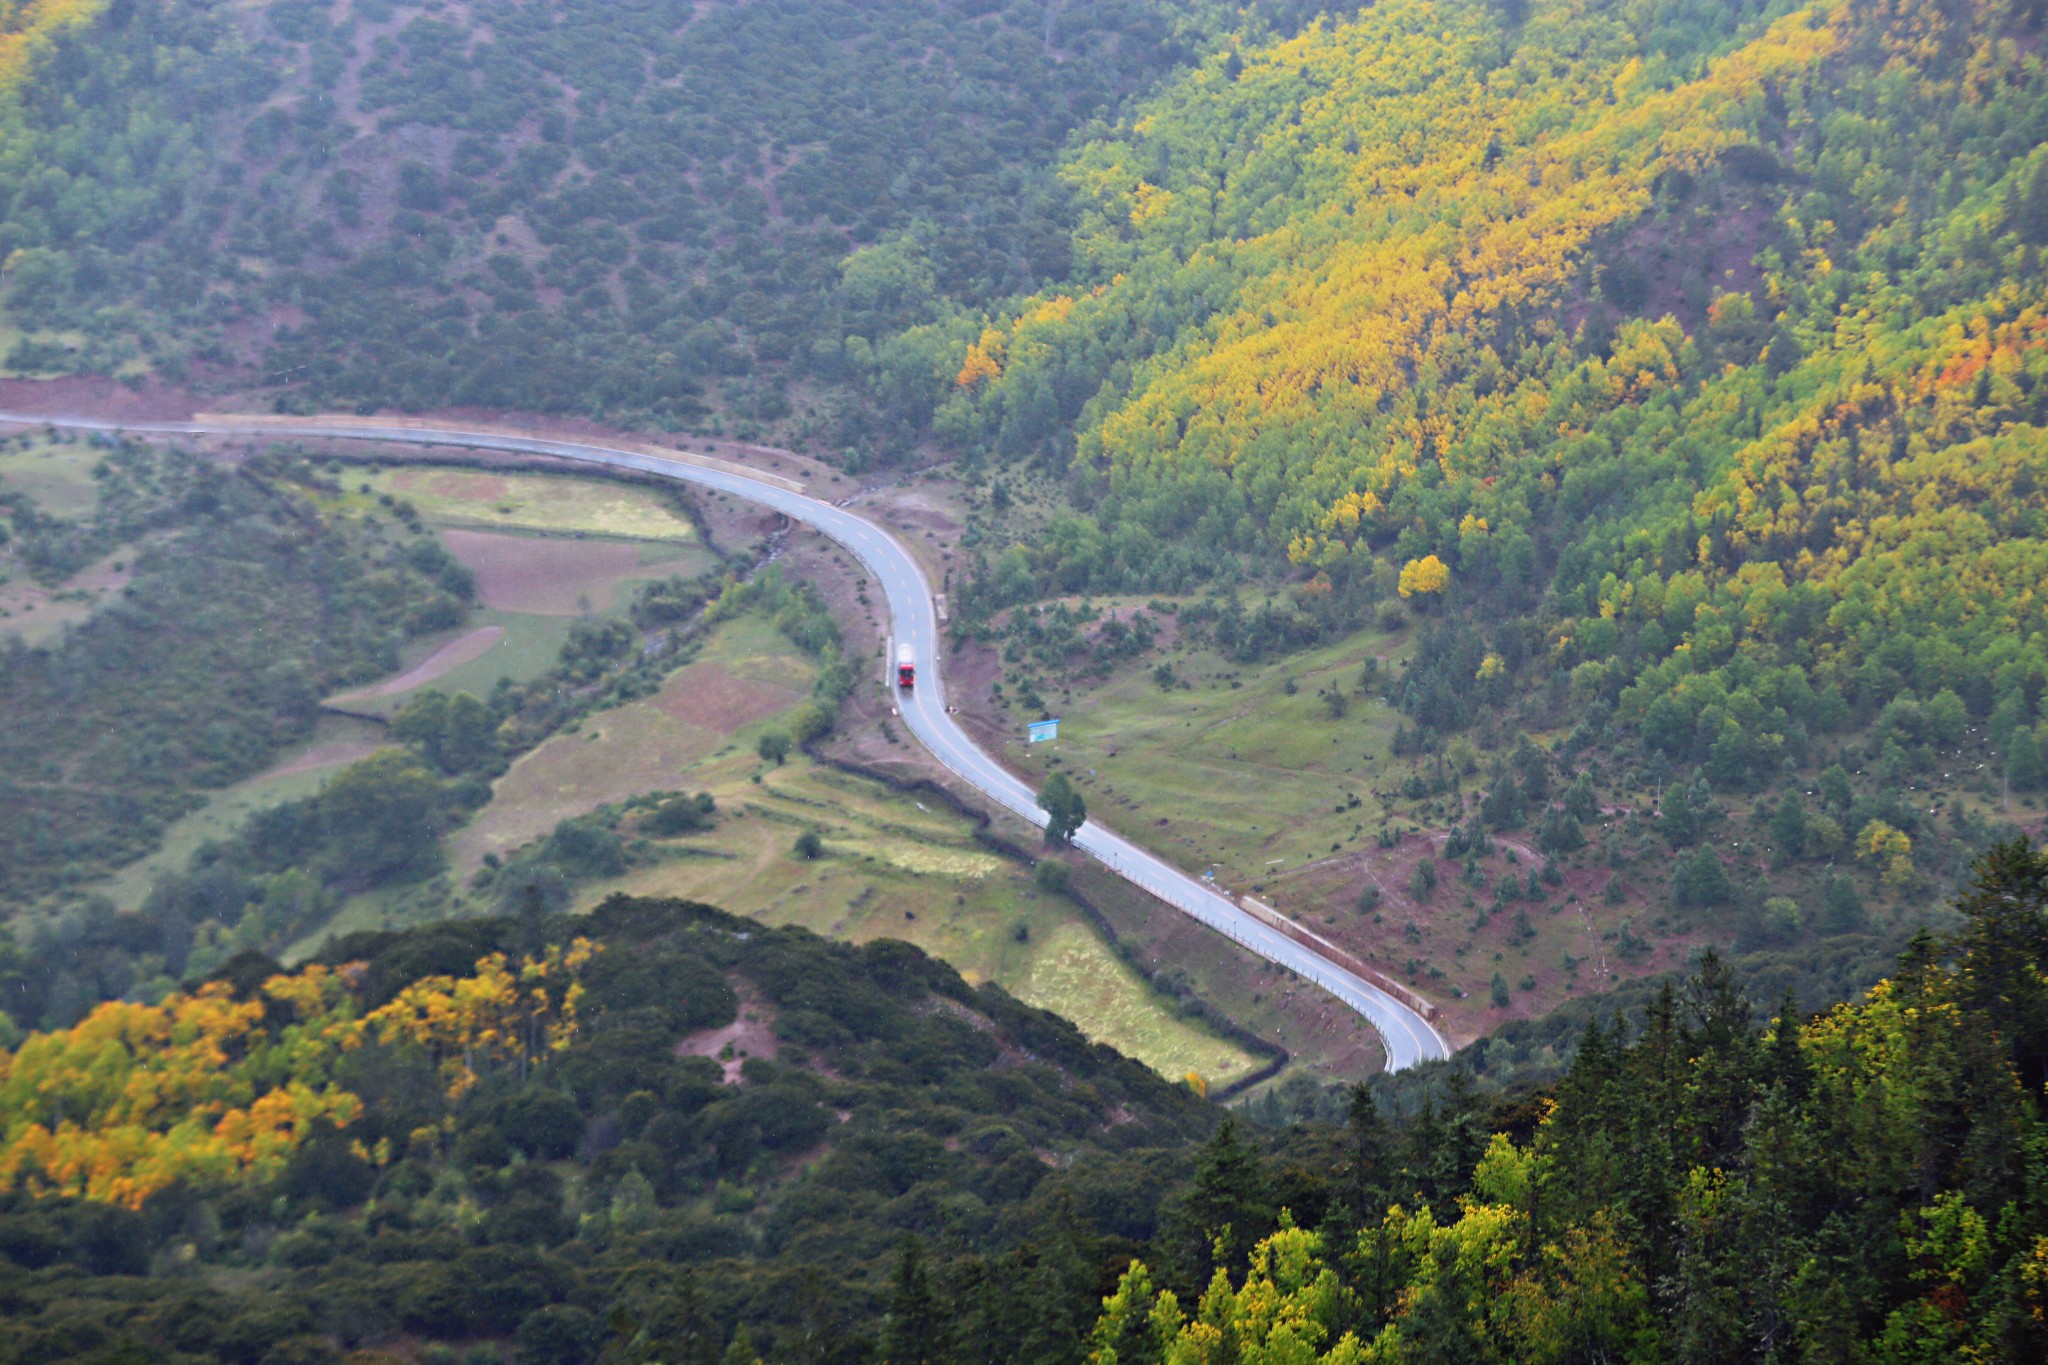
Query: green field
{"points": [[897, 868], [529, 502], [1233, 772]]}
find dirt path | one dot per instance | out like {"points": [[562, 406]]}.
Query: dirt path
{"points": [[446, 659]]}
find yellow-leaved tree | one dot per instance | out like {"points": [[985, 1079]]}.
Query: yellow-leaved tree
{"points": [[136, 1098], [203, 1088], [1424, 577]]}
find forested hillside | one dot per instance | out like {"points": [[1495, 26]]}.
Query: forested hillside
{"points": [[1680, 365], [646, 1133], [649, 211], [666, 1134]]}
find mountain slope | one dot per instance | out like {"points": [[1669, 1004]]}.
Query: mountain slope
{"points": [[644, 1127], [1691, 359]]}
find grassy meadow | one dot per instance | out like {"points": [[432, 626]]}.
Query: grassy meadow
{"points": [[549, 503], [1232, 772]]}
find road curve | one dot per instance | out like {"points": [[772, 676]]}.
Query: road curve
{"points": [[1408, 1037]]}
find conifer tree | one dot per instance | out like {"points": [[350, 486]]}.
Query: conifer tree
{"points": [[1227, 1209], [911, 1333]]}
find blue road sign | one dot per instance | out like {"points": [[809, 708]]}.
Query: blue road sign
{"points": [[1044, 730]]}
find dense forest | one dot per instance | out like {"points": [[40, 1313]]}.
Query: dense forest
{"points": [[1678, 366], [663, 1133]]}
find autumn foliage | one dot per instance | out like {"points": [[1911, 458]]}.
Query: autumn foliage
{"points": [[1714, 352], [205, 1087]]}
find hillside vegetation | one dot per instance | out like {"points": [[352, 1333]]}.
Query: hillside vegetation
{"points": [[244, 606], [665, 1133], [639, 1131], [1708, 345], [1679, 368], [651, 210]]}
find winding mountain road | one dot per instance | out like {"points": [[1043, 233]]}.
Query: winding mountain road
{"points": [[1408, 1037]]}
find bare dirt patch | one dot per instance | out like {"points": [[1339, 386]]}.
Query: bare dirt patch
{"points": [[709, 696], [95, 396], [750, 1034], [543, 577]]}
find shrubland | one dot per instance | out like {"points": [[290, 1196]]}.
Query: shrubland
{"points": [[659, 210]]}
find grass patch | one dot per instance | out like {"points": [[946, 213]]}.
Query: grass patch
{"points": [[1249, 778], [530, 502], [55, 475], [1075, 975]]}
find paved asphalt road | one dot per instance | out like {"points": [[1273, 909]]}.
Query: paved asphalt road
{"points": [[1407, 1035]]}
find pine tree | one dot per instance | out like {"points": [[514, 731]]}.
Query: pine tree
{"points": [[1581, 800], [2024, 769], [1843, 911], [1362, 1180], [1788, 827], [2003, 948], [1788, 1067], [1228, 1208], [910, 1333]]}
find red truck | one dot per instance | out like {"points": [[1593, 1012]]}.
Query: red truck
{"points": [[906, 667]]}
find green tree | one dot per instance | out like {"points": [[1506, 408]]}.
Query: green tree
{"points": [[456, 734], [912, 1333], [1061, 800], [1125, 1333], [1560, 833], [1227, 1209], [773, 747], [381, 819], [1842, 909], [809, 846], [2024, 769], [1788, 827], [682, 815], [1701, 882], [2004, 947], [1582, 801]]}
